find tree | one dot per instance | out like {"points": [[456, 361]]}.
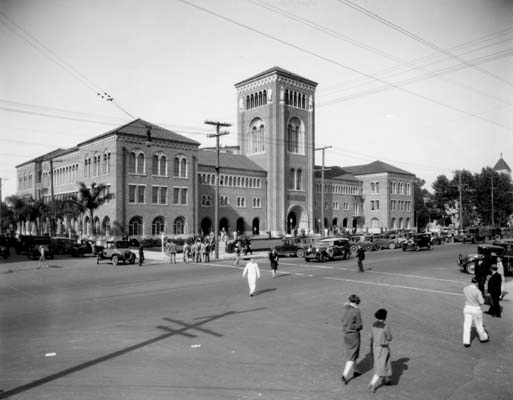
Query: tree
{"points": [[92, 198], [502, 197]]}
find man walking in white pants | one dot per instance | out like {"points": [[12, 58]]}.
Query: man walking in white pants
{"points": [[253, 273], [473, 314]]}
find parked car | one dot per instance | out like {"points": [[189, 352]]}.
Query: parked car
{"points": [[362, 241], [4, 248], [417, 241], [383, 241], [328, 249], [29, 245], [293, 246], [62, 245], [117, 252], [85, 247], [487, 254]]}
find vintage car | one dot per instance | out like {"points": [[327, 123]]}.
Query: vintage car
{"points": [[384, 241], [61, 245], [417, 241], [117, 252], [363, 241], [30, 245], [328, 249], [488, 254], [85, 247], [4, 248], [293, 246]]}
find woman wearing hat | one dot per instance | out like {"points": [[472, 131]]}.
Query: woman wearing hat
{"points": [[380, 339], [351, 326]]}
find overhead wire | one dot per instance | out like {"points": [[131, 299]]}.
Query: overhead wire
{"points": [[421, 40]]}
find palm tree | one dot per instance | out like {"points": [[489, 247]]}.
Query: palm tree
{"points": [[92, 198]]}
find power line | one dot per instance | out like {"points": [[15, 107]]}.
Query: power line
{"points": [[344, 66], [421, 40]]}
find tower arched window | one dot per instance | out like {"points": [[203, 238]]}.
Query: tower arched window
{"points": [[180, 166], [135, 226], [292, 183], [158, 226], [179, 226], [255, 136], [299, 179], [296, 136], [247, 102], [265, 97]]}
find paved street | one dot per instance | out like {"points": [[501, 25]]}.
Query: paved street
{"points": [[78, 330]]}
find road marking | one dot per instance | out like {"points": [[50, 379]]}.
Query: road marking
{"points": [[395, 286]]}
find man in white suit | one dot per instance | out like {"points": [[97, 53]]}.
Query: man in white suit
{"points": [[253, 273]]}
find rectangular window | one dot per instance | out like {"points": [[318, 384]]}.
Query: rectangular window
{"points": [[140, 193], [377, 204], [372, 205], [163, 195], [154, 194], [131, 193], [184, 196], [180, 195]]}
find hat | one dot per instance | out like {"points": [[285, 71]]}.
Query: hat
{"points": [[494, 267], [381, 314], [354, 299]]}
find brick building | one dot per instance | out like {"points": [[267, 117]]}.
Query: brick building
{"points": [[164, 182]]}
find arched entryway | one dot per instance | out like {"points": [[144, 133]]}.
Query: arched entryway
{"points": [[344, 223], [223, 223], [240, 226], [297, 220], [206, 226], [256, 226]]}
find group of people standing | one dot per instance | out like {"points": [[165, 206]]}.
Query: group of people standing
{"points": [[380, 338], [198, 251]]}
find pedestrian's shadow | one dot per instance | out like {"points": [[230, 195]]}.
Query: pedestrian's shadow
{"points": [[398, 366], [259, 292], [365, 365], [280, 275]]}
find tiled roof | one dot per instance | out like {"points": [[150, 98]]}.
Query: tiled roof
{"points": [[501, 166], [335, 173], [227, 160], [52, 154], [280, 71], [375, 168], [139, 127]]}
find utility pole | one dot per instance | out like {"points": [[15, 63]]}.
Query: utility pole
{"points": [[493, 220], [0, 206], [460, 185], [322, 186], [218, 133], [52, 199]]}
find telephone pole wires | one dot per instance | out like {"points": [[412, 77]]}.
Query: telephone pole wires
{"points": [[322, 186], [217, 135]]}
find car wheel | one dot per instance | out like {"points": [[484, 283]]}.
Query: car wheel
{"points": [[323, 258], [353, 248], [115, 260], [470, 268], [367, 247], [377, 247], [391, 246], [300, 253]]}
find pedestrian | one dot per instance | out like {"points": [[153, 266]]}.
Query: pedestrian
{"points": [[238, 252], [172, 252], [360, 255], [252, 271], [380, 345], [351, 327], [500, 270], [473, 314], [494, 290], [274, 257], [141, 254], [42, 257], [481, 272], [198, 250], [186, 252]]}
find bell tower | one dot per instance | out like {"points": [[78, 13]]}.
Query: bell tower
{"points": [[276, 129]]}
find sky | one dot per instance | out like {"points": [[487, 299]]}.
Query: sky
{"points": [[426, 86]]}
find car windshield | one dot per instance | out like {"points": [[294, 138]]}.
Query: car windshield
{"points": [[488, 250], [122, 245]]}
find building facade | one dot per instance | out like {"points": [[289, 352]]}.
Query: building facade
{"points": [[164, 182]]}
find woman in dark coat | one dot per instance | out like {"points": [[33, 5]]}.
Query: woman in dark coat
{"points": [[274, 257], [351, 326], [380, 339]]}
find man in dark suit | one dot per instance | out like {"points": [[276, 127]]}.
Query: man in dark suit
{"points": [[494, 290], [481, 273]]}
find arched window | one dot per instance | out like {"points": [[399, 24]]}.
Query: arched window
{"points": [[135, 226], [106, 226], [179, 226], [180, 166], [87, 225], [140, 163], [159, 164], [292, 178], [299, 180], [158, 226], [247, 102], [296, 136], [265, 96], [255, 136]]}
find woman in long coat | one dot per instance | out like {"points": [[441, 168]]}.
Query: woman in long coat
{"points": [[351, 327], [380, 339], [273, 258]]}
